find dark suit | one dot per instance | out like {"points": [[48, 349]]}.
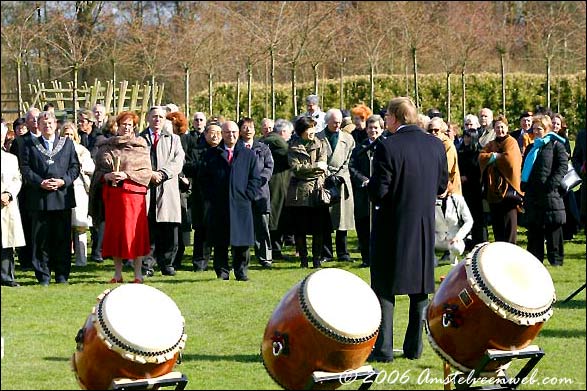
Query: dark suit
{"points": [[229, 191], [50, 210], [409, 170]]}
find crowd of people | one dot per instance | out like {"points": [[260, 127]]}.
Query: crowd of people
{"points": [[218, 184], [410, 184]]}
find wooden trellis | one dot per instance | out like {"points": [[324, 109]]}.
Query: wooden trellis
{"points": [[115, 98]]}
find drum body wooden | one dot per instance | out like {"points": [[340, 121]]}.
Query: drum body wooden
{"points": [[135, 331], [498, 297], [327, 322]]}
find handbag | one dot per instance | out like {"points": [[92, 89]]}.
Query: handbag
{"points": [[571, 179], [328, 194], [511, 195]]}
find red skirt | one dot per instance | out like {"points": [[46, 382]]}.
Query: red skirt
{"points": [[126, 231]]}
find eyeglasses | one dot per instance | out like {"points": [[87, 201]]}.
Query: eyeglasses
{"points": [[434, 131], [199, 119]]}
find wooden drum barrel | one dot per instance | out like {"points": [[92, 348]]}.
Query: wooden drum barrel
{"points": [[498, 297], [135, 331], [327, 322]]}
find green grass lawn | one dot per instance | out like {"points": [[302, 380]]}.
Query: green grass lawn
{"points": [[225, 322]]}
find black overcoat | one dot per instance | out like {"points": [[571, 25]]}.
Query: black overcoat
{"points": [[409, 171], [38, 164], [229, 191]]}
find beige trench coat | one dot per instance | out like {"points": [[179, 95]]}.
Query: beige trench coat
{"points": [[12, 232]]}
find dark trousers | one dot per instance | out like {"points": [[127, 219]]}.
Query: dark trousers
{"points": [[413, 338], [302, 246], [202, 250], [7, 265], [504, 219], [97, 233], [25, 253], [553, 233], [341, 244], [363, 233], [262, 236], [241, 256], [51, 237], [164, 244]]}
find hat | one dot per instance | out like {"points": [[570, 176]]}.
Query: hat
{"points": [[526, 114], [345, 113], [347, 125], [312, 99], [434, 113]]}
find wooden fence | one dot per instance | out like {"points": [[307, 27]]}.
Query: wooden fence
{"points": [[115, 98]]}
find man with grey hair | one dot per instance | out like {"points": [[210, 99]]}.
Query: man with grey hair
{"points": [[100, 115], [486, 132], [314, 111], [277, 142], [49, 165], [342, 214], [198, 126]]}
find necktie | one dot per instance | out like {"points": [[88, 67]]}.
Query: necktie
{"points": [[248, 146], [155, 139], [230, 156]]}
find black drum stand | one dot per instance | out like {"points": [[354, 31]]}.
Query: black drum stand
{"points": [[465, 381], [366, 373], [176, 379]]}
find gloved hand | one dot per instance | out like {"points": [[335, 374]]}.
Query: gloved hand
{"points": [[322, 165]]}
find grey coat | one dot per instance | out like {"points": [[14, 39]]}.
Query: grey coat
{"points": [[170, 160], [342, 214]]}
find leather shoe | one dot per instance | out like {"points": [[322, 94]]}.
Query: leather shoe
{"points": [[242, 278], [223, 277], [266, 264], [10, 283], [168, 271], [115, 280]]}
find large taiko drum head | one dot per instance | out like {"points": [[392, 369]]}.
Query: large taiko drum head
{"points": [[135, 331], [497, 298], [327, 322]]}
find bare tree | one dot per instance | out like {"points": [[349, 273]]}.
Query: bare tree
{"points": [[549, 26], [16, 41], [75, 50], [308, 17], [411, 17]]}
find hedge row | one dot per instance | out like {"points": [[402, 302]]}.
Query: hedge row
{"points": [[523, 92]]}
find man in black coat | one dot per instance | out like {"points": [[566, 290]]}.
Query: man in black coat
{"points": [[49, 165], [409, 171], [230, 181]]}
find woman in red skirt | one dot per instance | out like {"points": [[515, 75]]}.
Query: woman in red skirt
{"points": [[117, 195]]}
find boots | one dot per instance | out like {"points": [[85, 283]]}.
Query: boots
{"points": [[80, 241], [316, 262], [303, 262]]}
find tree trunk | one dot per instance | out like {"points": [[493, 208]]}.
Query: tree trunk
{"points": [[315, 72], [74, 92], [186, 70], [371, 84], [407, 80], [19, 86], [210, 94], [548, 82], [448, 96], [415, 62], [502, 60], [249, 89], [341, 76], [294, 95], [464, 91], [153, 92], [272, 84], [238, 95], [113, 62]]}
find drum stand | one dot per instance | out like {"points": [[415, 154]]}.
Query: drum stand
{"points": [[176, 379], [365, 373], [464, 381]]}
